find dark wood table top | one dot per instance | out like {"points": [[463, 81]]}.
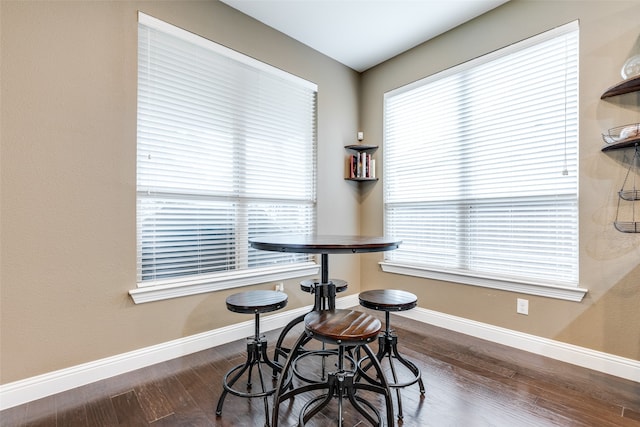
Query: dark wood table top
{"points": [[324, 244]]}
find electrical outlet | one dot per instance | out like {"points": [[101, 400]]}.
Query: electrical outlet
{"points": [[522, 306], [279, 287]]}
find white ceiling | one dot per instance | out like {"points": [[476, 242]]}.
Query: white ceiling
{"points": [[363, 33]]}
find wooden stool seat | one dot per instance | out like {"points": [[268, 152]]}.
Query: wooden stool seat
{"points": [[349, 330], [253, 302], [342, 326], [389, 300]]}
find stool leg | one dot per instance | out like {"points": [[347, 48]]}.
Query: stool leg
{"points": [[323, 400], [393, 348], [388, 348], [256, 355], [266, 400], [279, 349], [385, 349], [325, 296], [410, 365], [341, 384], [265, 358], [394, 375], [228, 383], [325, 299], [261, 356], [280, 394], [383, 386], [391, 351]]}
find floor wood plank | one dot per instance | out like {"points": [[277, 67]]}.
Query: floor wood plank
{"points": [[128, 409]]}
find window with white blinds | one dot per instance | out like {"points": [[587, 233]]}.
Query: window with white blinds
{"points": [[481, 174], [226, 151]]}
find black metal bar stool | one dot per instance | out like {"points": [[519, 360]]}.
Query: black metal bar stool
{"points": [[389, 300], [347, 329], [256, 302]]}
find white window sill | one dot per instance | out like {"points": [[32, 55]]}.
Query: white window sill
{"points": [[569, 293], [175, 288]]}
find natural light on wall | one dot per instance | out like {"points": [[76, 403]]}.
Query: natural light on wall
{"points": [[481, 172]]}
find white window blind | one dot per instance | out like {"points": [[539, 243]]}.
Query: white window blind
{"points": [[481, 174], [226, 151]]}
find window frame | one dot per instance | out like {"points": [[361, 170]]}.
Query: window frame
{"points": [[534, 287], [172, 287]]}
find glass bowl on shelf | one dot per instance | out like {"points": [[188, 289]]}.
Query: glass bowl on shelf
{"points": [[627, 226], [631, 67], [622, 133], [629, 195]]}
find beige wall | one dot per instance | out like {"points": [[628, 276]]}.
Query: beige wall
{"points": [[68, 144], [67, 176], [608, 319]]}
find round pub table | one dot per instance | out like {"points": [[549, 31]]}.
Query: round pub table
{"points": [[323, 245]]}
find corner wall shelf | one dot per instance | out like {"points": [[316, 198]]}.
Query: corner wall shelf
{"points": [[361, 166], [627, 143], [361, 179], [626, 86]]}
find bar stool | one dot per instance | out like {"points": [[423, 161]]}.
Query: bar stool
{"points": [[324, 299], [258, 301], [347, 329], [388, 300]]}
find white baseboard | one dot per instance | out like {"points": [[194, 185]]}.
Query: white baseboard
{"points": [[23, 391], [575, 355]]}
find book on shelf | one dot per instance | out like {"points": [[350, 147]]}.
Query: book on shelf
{"points": [[362, 165]]}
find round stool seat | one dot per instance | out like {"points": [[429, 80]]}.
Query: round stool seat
{"points": [[342, 326], [259, 301], [388, 300]]}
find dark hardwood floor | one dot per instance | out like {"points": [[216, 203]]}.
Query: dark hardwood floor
{"points": [[469, 382]]}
